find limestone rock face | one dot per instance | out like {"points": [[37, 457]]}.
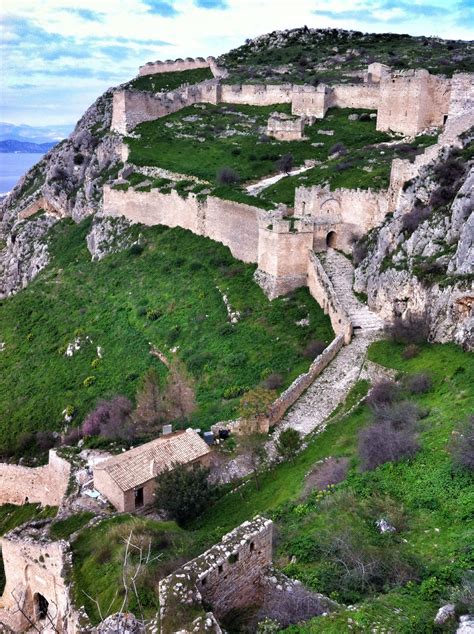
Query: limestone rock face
{"points": [[428, 270], [67, 182], [108, 235]]}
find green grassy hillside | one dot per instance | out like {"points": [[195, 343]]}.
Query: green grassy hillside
{"points": [[166, 296]]}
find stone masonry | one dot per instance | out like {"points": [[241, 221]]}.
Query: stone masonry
{"points": [[285, 127]]}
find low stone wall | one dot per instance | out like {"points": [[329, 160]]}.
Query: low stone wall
{"points": [[227, 576], [355, 96], [256, 94], [322, 290], [299, 385], [44, 485], [231, 223]]}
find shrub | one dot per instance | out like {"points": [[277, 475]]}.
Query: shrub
{"points": [[411, 351], [153, 314], [285, 163], [419, 383], [343, 165], [45, 440], [273, 381], [184, 491], [314, 349], [288, 443], [236, 151], [399, 415], [462, 444], [227, 176], [234, 391], [110, 419], [72, 437], [78, 158], [237, 360], [381, 443], [412, 329], [88, 381], [136, 249], [364, 117], [382, 393], [338, 148], [414, 218]]}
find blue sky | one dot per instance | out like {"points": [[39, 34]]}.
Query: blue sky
{"points": [[58, 56]]}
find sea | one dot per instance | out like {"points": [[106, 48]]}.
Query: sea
{"points": [[12, 168]]}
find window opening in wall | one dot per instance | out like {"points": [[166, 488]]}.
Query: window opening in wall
{"points": [[41, 606], [445, 118], [204, 581], [304, 208], [138, 497], [252, 546], [220, 568], [232, 559]]}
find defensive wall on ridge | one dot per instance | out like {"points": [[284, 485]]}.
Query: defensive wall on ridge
{"points": [[45, 485], [176, 65]]}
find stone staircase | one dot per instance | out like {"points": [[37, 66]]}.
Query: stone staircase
{"points": [[341, 273]]}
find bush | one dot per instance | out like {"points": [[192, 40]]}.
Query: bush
{"points": [[88, 381], [110, 419], [136, 249], [45, 440], [414, 218], [227, 176], [381, 443], [72, 437], [338, 148], [400, 415], [288, 443], [153, 314], [413, 329], [419, 383], [285, 163], [382, 393], [462, 444], [314, 349], [273, 381], [411, 351], [184, 492]]}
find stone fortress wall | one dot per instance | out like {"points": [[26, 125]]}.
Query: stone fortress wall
{"points": [[228, 576], [176, 65], [45, 485], [35, 582]]}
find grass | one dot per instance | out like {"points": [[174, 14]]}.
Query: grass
{"points": [[98, 556], [165, 82], [62, 529], [201, 140], [174, 278]]}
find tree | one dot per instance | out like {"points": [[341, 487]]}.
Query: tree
{"points": [[184, 491], [252, 445], [462, 447], [255, 403], [110, 419], [227, 176], [150, 410], [288, 443], [382, 442], [179, 399]]}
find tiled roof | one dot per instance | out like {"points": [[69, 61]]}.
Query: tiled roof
{"points": [[136, 466]]}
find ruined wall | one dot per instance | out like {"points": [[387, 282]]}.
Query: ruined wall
{"points": [[322, 290], [44, 485], [234, 224], [302, 383], [355, 96], [227, 576], [347, 212], [375, 72], [256, 94], [131, 107], [174, 66], [34, 565], [411, 101], [39, 204], [282, 255], [462, 94], [285, 128], [311, 102]]}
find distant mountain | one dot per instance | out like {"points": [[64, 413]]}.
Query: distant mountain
{"points": [[12, 132], [24, 147]]}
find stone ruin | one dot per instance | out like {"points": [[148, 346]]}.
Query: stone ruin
{"points": [[234, 574], [285, 127]]}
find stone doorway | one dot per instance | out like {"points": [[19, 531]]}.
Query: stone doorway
{"points": [[41, 606], [331, 239], [139, 498]]}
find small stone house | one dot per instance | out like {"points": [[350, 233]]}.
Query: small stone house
{"points": [[128, 479]]}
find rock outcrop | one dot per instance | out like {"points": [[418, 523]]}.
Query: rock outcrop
{"points": [[421, 260]]}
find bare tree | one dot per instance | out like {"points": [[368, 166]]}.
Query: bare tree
{"points": [[179, 399], [149, 412]]}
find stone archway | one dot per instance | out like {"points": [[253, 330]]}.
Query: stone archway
{"points": [[331, 239], [41, 605]]}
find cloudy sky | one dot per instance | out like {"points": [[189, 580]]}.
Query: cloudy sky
{"points": [[58, 55]]}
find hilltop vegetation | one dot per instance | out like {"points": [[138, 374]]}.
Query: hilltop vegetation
{"points": [[334, 55], [165, 292]]}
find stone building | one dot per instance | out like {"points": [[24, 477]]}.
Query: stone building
{"points": [[285, 127], [128, 479]]}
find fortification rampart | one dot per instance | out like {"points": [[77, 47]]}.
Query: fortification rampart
{"points": [[256, 94], [355, 96], [231, 223], [35, 592], [44, 485], [227, 576], [176, 65]]}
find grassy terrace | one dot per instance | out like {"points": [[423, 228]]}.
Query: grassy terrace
{"points": [[202, 139], [429, 499], [165, 295], [164, 82]]}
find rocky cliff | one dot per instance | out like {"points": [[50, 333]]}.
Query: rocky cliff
{"points": [[66, 182], [421, 260]]}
